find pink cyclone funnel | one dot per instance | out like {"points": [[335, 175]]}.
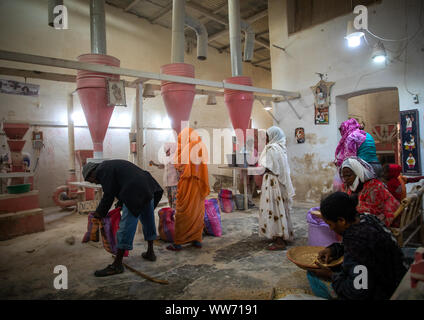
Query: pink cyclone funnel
{"points": [[239, 104], [92, 91], [178, 97]]}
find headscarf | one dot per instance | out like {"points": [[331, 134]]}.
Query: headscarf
{"points": [[363, 170], [274, 158], [394, 171], [171, 146], [191, 158], [352, 138], [162, 157]]}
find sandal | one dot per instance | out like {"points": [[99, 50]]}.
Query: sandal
{"points": [[174, 247], [197, 244], [110, 270]]}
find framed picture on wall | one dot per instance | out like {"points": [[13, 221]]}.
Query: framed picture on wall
{"points": [[410, 142], [116, 93], [322, 101]]}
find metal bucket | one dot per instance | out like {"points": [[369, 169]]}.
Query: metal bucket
{"points": [[239, 201]]}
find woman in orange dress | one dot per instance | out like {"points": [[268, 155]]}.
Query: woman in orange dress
{"points": [[193, 188]]}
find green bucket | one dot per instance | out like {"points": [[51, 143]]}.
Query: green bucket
{"points": [[19, 188]]}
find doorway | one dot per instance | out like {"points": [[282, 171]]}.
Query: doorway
{"points": [[377, 110]]}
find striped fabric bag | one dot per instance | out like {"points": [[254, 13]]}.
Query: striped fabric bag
{"points": [[167, 224], [213, 225], [108, 227]]}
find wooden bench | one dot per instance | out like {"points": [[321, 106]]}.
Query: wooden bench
{"points": [[410, 216]]}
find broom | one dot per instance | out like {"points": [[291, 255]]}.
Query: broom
{"points": [[145, 276]]}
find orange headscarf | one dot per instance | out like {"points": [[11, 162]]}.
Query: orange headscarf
{"points": [[191, 158]]}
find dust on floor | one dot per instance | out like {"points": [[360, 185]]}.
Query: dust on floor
{"points": [[234, 266]]}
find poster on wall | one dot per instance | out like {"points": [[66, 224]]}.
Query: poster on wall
{"points": [[300, 135], [410, 139], [116, 93], [19, 88], [322, 101]]}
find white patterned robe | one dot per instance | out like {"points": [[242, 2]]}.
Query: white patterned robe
{"points": [[277, 190]]}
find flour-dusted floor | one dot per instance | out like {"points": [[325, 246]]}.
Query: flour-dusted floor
{"points": [[235, 266]]}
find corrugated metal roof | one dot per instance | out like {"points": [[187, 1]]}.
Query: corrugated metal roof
{"points": [[160, 12]]}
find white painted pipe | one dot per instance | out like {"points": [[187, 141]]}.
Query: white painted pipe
{"points": [[71, 136], [249, 40], [178, 42], [201, 34], [98, 26], [235, 37], [77, 65], [140, 125]]}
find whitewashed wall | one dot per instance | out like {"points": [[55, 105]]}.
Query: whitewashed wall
{"points": [[323, 49]]}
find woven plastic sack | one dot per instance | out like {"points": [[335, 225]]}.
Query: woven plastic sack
{"points": [[167, 224], [226, 200], [213, 225]]}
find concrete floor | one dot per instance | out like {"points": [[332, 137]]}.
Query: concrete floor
{"points": [[234, 266]]}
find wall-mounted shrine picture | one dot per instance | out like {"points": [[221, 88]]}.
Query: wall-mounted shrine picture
{"points": [[322, 101], [410, 139]]}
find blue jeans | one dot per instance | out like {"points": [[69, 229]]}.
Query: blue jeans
{"points": [[128, 226]]}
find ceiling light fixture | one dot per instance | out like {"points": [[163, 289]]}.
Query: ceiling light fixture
{"points": [[148, 91], [353, 36], [379, 54], [268, 106]]}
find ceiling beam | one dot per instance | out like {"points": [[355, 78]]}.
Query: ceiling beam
{"points": [[202, 10], [204, 18], [132, 4], [251, 19], [161, 13], [260, 61]]}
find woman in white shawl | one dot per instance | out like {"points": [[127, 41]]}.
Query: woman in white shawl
{"points": [[277, 191]]}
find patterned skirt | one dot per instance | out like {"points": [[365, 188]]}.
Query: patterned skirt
{"points": [[274, 210]]}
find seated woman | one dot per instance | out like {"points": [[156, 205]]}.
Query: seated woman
{"points": [[373, 264], [357, 143], [359, 179], [393, 179]]}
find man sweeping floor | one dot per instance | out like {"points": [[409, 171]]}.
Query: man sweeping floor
{"points": [[139, 192]]}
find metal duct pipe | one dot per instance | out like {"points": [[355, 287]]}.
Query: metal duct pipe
{"points": [[178, 19], [235, 37], [51, 5], [71, 135], [98, 26], [249, 40], [201, 34]]}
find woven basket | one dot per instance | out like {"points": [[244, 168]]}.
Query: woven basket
{"points": [[305, 257]]}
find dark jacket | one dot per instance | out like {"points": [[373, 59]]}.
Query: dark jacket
{"points": [[128, 183], [371, 244]]}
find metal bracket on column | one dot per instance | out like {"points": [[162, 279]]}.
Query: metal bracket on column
{"points": [[269, 112], [291, 106]]}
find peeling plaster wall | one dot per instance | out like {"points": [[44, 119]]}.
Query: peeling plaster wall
{"points": [[140, 46], [323, 49]]}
